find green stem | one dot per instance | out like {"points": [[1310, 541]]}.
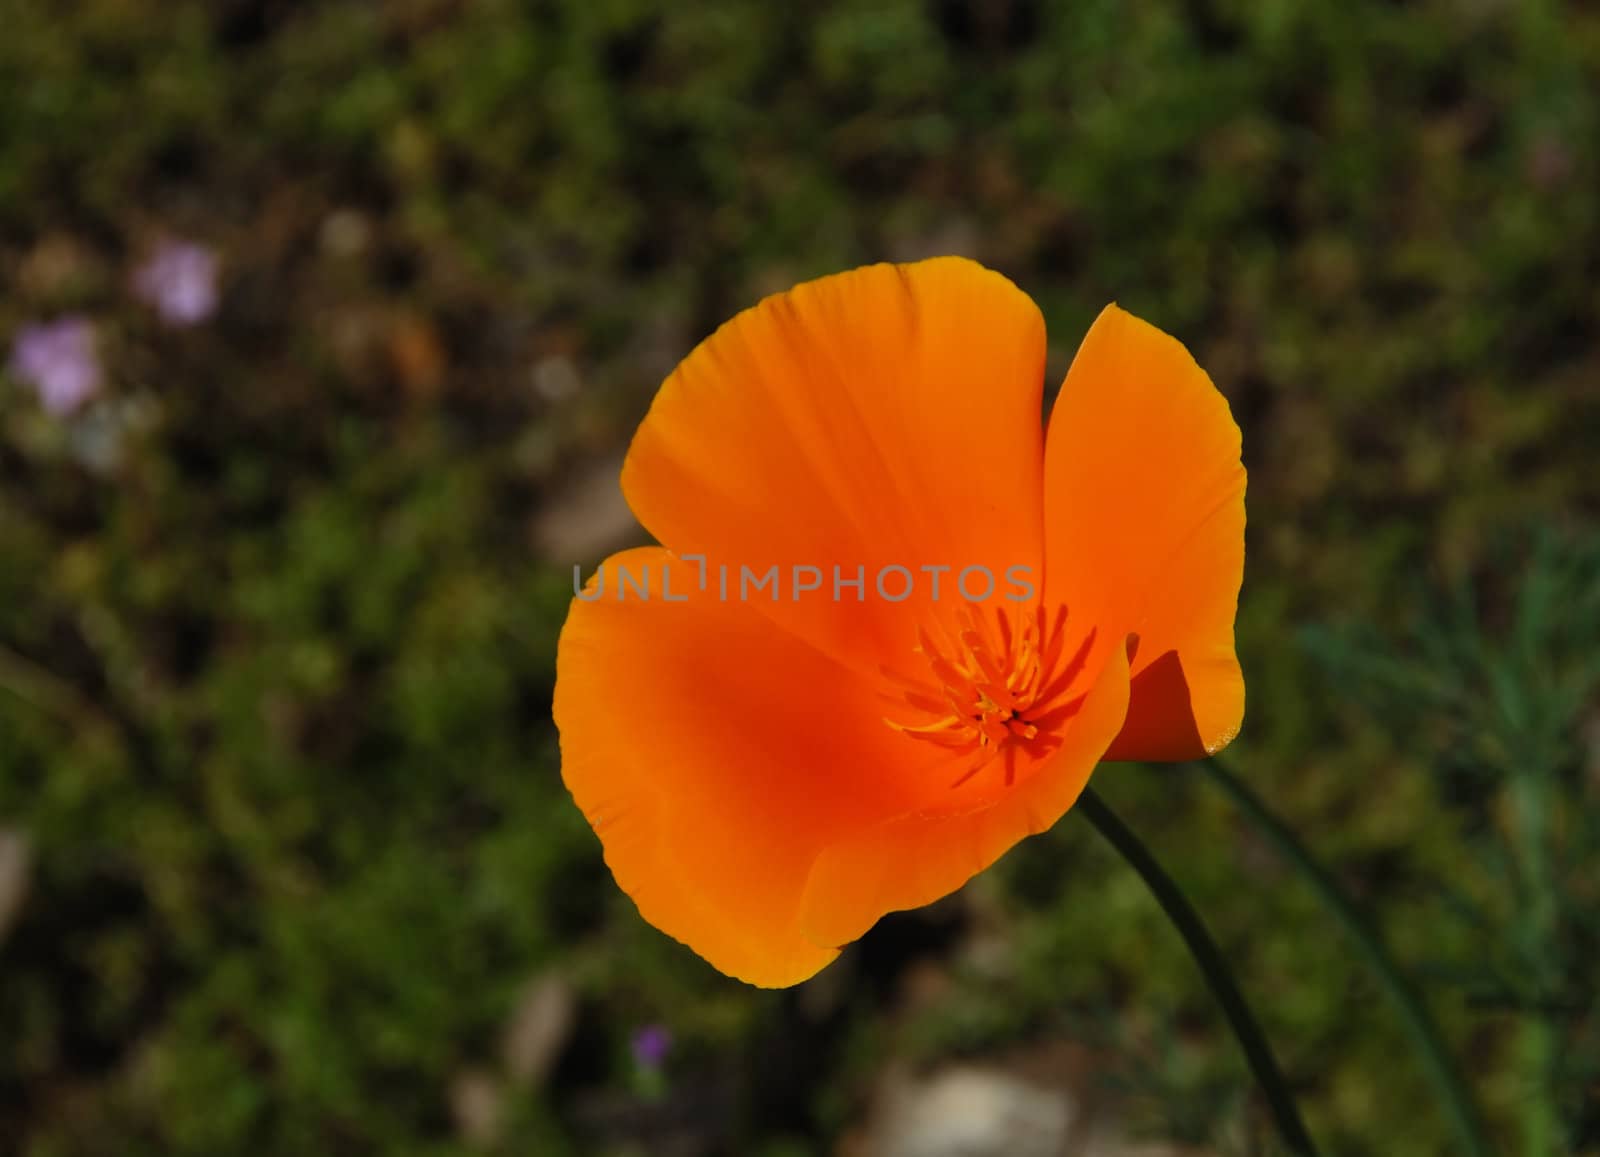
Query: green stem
{"points": [[1530, 810], [1217, 974], [1419, 1023]]}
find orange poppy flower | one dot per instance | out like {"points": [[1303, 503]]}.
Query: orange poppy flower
{"points": [[893, 625]]}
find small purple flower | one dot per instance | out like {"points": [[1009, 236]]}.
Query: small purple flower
{"points": [[180, 282], [651, 1044], [59, 361]]}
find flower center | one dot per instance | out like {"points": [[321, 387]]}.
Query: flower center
{"points": [[992, 689]]}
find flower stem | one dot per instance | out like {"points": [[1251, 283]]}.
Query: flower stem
{"points": [[1215, 970], [1462, 1110], [1530, 810]]}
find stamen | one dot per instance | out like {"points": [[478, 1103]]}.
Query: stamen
{"points": [[992, 690]]}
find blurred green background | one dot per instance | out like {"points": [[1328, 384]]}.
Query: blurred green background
{"points": [[286, 865]]}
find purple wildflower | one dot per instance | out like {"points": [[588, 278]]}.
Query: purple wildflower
{"points": [[651, 1044], [180, 282], [59, 361]]}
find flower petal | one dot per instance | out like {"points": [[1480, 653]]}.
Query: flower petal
{"points": [[915, 859], [716, 755], [884, 416], [1144, 530]]}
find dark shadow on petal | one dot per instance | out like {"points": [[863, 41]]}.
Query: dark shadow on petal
{"points": [[1160, 715]]}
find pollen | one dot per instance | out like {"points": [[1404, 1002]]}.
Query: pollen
{"points": [[994, 689]]}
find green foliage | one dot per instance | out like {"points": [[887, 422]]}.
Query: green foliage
{"points": [[1497, 692], [274, 683]]}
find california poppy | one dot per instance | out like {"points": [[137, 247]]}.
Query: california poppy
{"points": [[771, 769]]}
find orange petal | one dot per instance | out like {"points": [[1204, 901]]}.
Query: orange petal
{"points": [[884, 416], [1144, 530], [715, 756], [912, 860]]}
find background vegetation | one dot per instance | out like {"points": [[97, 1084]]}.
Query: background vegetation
{"points": [[292, 867]]}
